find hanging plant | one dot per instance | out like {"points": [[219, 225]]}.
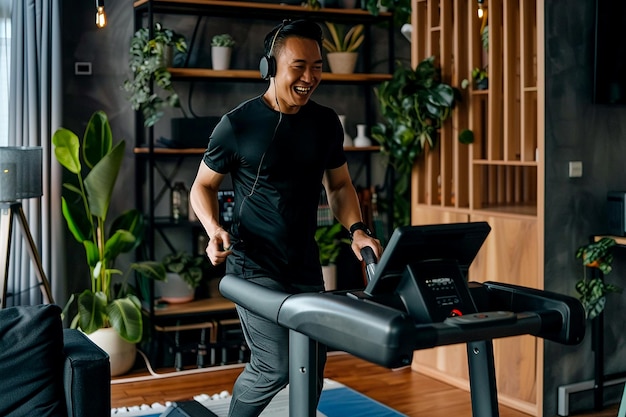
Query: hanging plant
{"points": [[148, 63], [593, 291]]}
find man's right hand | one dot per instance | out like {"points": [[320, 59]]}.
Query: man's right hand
{"points": [[218, 248]]}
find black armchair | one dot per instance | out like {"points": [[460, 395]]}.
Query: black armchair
{"points": [[48, 371]]}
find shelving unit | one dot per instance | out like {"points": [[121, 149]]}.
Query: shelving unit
{"points": [[498, 178], [152, 179]]}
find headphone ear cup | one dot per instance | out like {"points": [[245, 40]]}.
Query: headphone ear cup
{"points": [[267, 66]]}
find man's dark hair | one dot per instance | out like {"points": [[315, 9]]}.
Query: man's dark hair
{"points": [[301, 28]]}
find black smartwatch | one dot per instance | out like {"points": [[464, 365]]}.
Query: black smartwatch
{"points": [[359, 226]]}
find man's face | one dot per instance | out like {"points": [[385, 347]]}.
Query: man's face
{"points": [[298, 73]]}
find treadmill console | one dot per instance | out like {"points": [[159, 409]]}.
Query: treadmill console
{"points": [[434, 290]]}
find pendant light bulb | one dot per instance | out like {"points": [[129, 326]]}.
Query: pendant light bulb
{"points": [[101, 17], [480, 10]]}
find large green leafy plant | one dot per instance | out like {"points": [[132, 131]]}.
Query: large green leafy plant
{"points": [[414, 105], [85, 204]]}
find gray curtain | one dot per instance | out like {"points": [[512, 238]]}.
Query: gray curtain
{"points": [[35, 104]]}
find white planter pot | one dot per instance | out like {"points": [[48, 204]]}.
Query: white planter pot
{"points": [[329, 273], [175, 290], [342, 62], [220, 57], [121, 353]]}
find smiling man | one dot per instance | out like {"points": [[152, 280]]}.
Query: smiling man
{"points": [[279, 148]]}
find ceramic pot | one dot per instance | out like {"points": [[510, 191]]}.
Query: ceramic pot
{"points": [[342, 62], [174, 290], [220, 57], [121, 353]]}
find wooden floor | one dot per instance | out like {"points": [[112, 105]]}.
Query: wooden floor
{"points": [[404, 390]]}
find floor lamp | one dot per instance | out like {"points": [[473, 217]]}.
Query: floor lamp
{"points": [[20, 178]]}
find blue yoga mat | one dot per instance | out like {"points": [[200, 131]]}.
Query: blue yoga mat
{"points": [[337, 400]]}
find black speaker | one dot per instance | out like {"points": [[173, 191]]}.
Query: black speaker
{"points": [[187, 409]]}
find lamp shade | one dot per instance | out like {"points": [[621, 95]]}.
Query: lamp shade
{"points": [[20, 172]]}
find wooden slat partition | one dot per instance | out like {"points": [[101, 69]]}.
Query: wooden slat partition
{"points": [[497, 178]]}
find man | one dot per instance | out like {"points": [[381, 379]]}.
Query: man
{"points": [[279, 149]]}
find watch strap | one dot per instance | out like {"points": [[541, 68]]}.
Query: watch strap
{"points": [[359, 226]]}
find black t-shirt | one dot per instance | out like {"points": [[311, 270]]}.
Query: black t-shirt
{"points": [[276, 163]]}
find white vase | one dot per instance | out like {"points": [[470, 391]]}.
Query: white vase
{"points": [[220, 57], [347, 139], [329, 273], [361, 139], [342, 62], [174, 290], [121, 353]]}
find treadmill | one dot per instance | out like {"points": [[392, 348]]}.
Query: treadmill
{"points": [[417, 297]]}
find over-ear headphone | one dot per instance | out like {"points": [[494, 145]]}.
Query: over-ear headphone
{"points": [[267, 66]]}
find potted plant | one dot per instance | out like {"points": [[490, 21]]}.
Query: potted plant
{"points": [[221, 51], [184, 273], [149, 62], [329, 242], [414, 105], [481, 78], [86, 198], [593, 291], [342, 49]]}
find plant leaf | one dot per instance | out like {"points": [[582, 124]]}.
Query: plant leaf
{"points": [[97, 140], [125, 317], [100, 182], [92, 311], [66, 150]]}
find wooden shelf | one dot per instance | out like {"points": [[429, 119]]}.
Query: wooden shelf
{"points": [[236, 75], [236, 8], [205, 305]]}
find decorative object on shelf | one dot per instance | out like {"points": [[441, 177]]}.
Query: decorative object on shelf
{"points": [[401, 9], [179, 202], [342, 62], [593, 291], [221, 51], [184, 273], [362, 140], [481, 78], [148, 62], [414, 105], [347, 139], [85, 203], [313, 4], [342, 50], [329, 242]]}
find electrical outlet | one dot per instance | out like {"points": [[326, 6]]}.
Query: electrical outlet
{"points": [[575, 169]]}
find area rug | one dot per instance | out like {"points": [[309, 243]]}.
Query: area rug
{"points": [[337, 400]]}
